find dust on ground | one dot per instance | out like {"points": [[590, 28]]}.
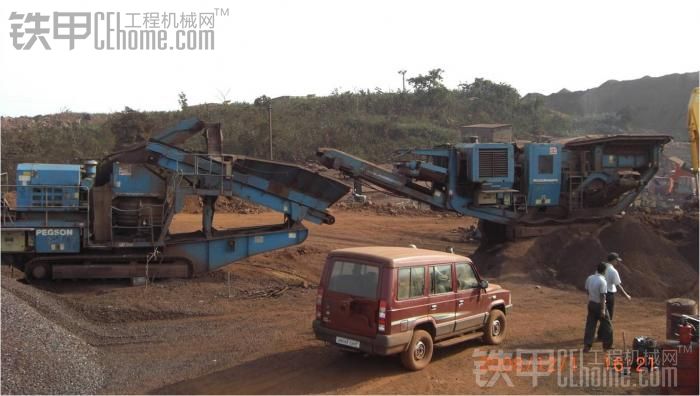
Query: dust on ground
{"points": [[253, 335]]}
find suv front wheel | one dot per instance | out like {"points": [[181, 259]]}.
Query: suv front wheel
{"points": [[419, 351], [495, 329]]}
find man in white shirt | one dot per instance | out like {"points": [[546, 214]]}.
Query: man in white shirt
{"points": [[597, 287], [612, 277]]}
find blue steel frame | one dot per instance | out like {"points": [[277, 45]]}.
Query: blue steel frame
{"points": [[545, 191], [184, 173]]}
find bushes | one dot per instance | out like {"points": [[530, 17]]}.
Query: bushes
{"points": [[370, 124]]}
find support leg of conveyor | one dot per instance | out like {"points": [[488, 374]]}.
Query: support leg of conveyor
{"points": [[208, 214]]}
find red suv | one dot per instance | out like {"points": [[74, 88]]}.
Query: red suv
{"points": [[389, 300]]}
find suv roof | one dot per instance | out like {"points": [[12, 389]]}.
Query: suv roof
{"points": [[392, 256]]}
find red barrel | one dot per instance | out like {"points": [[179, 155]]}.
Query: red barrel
{"points": [[687, 369], [676, 307]]}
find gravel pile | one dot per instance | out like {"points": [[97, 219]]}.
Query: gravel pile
{"points": [[41, 357], [653, 265]]}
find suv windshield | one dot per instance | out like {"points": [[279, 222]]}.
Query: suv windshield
{"points": [[354, 279]]}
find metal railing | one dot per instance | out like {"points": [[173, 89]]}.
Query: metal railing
{"points": [[46, 194], [204, 164], [575, 193], [44, 205], [138, 213], [520, 203], [4, 203]]}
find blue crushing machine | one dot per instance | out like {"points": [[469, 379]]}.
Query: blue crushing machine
{"points": [[518, 189], [111, 219]]}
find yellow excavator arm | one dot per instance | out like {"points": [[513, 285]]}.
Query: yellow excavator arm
{"points": [[693, 122]]}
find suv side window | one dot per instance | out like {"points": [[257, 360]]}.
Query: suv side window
{"points": [[466, 278], [411, 282], [440, 279]]}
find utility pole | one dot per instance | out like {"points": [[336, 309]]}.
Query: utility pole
{"points": [[403, 79], [269, 112]]}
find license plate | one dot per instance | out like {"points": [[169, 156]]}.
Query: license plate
{"points": [[347, 342]]}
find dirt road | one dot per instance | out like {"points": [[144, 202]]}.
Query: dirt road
{"points": [[189, 336]]}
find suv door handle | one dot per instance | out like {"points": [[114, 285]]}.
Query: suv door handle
{"points": [[460, 303], [433, 307]]}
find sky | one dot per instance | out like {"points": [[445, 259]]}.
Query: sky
{"points": [[299, 47]]}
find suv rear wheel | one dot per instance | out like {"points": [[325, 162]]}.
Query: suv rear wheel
{"points": [[419, 351], [495, 329]]}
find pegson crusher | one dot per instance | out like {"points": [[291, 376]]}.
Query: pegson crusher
{"points": [[517, 189], [111, 219]]}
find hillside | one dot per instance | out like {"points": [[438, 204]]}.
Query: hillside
{"points": [[368, 123], [657, 104]]}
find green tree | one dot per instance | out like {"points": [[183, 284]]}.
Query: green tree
{"points": [[500, 101], [182, 100], [130, 127], [429, 82], [262, 100]]}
